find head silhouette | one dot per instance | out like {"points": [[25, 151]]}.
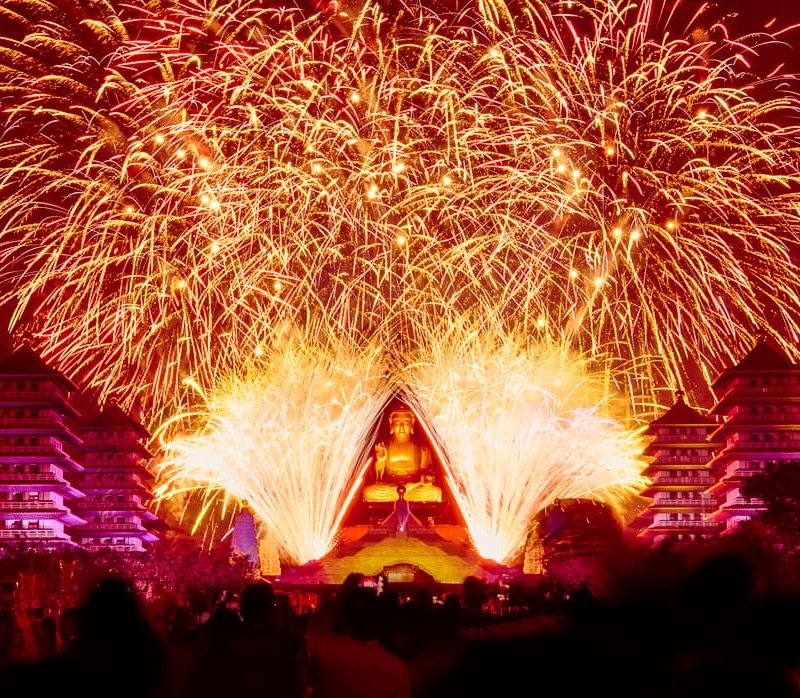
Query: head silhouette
{"points": [[258, 603]]}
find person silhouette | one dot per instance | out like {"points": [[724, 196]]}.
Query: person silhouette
{"points": [[401, 517]]}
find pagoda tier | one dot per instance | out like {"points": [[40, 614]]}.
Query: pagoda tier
{"points": [[679, 450], [759, 400], [37, 464], [116, 483]]}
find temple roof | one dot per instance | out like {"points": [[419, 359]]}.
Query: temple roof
{"points": [[111, 417], [680, 414], [765, 356], [25, 363]]}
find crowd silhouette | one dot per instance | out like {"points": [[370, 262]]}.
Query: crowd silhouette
{"points": [[722, 625]]}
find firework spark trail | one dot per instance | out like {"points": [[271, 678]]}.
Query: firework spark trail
{"points": [[213, 171], [286, 438], [178, 181], [520, 425]]}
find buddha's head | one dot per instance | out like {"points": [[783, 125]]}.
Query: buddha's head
{"points": [[401, 423]]}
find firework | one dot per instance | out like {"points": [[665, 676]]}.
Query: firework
{"points": [[177, 179], [520, 424], [286, 437]]}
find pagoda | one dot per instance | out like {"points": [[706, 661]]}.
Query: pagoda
{"points": [[38, 466], [759, 401], [116, 482], [680, 450]]}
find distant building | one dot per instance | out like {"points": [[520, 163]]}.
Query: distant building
{"points": [[699, 461], [759, 407], [244, 537], [64, 480], [37, 463], [680, 474], [116, 483]]}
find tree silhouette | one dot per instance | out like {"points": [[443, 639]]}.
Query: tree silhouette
{"points": [[779, 488]]}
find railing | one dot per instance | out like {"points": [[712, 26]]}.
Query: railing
{"points": [[685, 503], [684, 524], [742, 472], [45, 446], [681, 438], [752, 503], [689, 460], [764, 445], [115, 547], [84, 505], [111, 526], [9, 393], [23, 533], [32, 423], [777, 418], [699, 481], [32, 477], [769, 390], [110, 483], [40, 505]]}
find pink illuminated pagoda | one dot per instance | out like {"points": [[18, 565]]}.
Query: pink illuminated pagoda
{"points": [[64, 479], [680, 449], [116, 483], [759, 401], [37, 452]]}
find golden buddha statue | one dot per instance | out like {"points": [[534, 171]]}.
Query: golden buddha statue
{"points": [[403, 461]]}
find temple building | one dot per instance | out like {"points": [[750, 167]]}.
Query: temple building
{"points": [[700, 461], [37, 462], [759, 408], [64, 480], [403, 525], [680, 474], [116, 483]]}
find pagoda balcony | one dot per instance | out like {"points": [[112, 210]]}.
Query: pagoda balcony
{"points": [[109, 483], [787, 445], [40, 505], [47, 447], [9, 394], [23, 533], [683, 481], [706, 504], [114, 548], [33, 423], [680, 439], [739, 390], [112, 526], [740, 472], [753, 504], [84, 506], [680, 460], [740, 419], [707, 525], [31, 477]]}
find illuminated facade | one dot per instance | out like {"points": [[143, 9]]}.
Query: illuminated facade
{"points": [[680, 474], [116, 483], [37, 465], [759, 407], [64, 481], [699, 461]]}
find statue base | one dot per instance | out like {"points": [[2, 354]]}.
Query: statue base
{"points": [[421, 552]]}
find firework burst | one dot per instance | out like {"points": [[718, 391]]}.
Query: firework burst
{"points": [[286, 437], [520, 424], [178, 180], [175, 179]]}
